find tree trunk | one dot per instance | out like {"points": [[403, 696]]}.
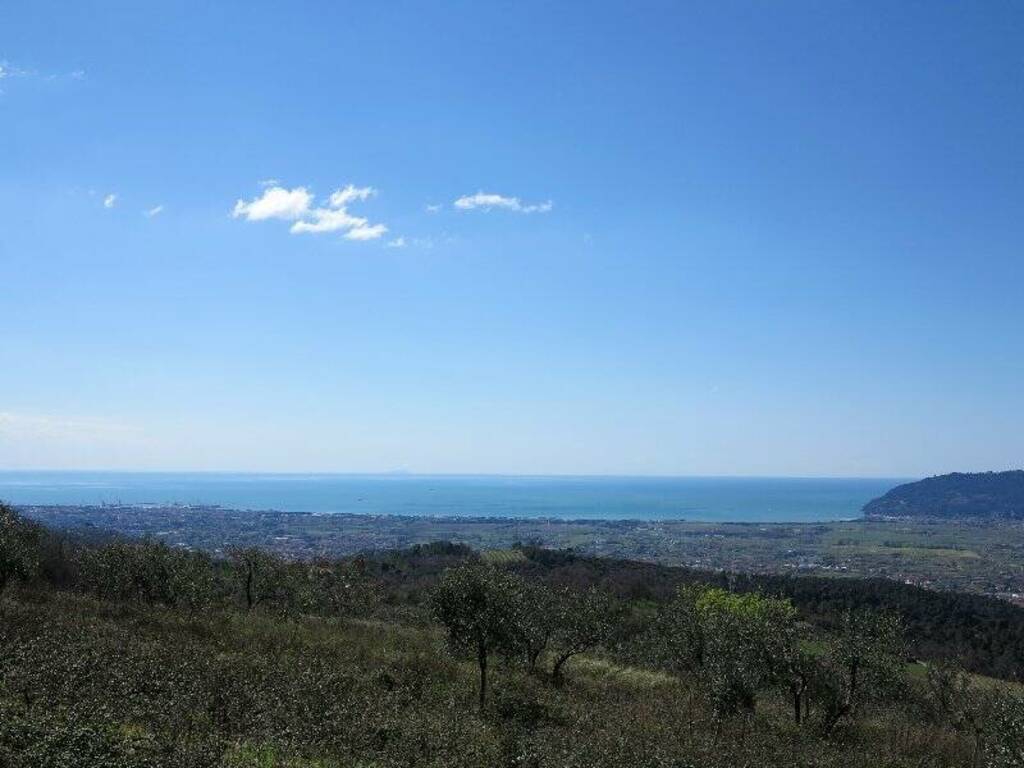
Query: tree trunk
{"points": [[556, 671], [482, 661], [749, 700], [833, 716], [248, 588], [798, 687]]}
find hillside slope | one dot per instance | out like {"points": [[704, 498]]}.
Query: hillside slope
{"points": [[960, 495], [89, 683], [137, 655]]}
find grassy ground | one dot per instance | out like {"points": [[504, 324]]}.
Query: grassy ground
{"points": [[89, 683]]}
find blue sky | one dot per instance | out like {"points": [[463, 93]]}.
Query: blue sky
{"points": [[636, 238]]}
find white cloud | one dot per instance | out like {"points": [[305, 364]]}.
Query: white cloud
{"points": [[269, 183], [297, 205], [433, 207], [487, 201], [398, 242], [110, 200], [364, 232], [156, 210], [275, 203], [328, 220]]}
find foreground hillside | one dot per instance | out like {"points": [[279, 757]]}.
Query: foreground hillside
{"points": [[133, 654], [91, 683], [991, 495]]}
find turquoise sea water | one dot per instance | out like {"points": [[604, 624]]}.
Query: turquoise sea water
{"points": [[609, 498]]}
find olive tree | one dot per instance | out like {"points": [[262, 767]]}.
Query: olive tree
{"points": [[566, 622], [583, 621], [738, 643], [674, 640], [108, 571], [480, 606], [539, 621], [19, 552], [1005, 747], [957, 700], [341, 588], [193, 580], [863, 661], [263, 577], [150, 572], [795, 671], [745, 639]]}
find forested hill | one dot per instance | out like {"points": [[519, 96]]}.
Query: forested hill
{"points": [[997, 495]]}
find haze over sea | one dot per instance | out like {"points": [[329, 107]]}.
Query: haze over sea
{"points": [[725, 499]]}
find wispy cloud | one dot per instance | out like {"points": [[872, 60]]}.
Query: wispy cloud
{"points": [[350, 194], [488, 201], [10, 71], [110, 200], [296, 205], [433, 207], [420, 243], [33, 426], [156, 210]]}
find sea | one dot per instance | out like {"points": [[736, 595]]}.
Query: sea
{"points": [[712, 499]]}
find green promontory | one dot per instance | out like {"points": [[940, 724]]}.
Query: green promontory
{"points": [[960, 495]]}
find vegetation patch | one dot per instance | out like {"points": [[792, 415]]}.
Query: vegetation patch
{"points": [[131, 653]]}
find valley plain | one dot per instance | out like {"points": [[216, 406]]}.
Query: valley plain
{"points": [[980, 557]]}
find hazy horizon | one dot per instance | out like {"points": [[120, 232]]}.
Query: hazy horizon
{"points": [[411, 473]]}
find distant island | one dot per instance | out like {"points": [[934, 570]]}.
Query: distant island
{"points": [[956, 496]]}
